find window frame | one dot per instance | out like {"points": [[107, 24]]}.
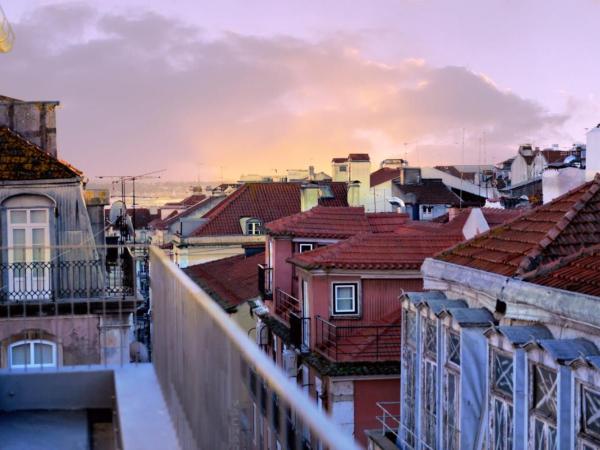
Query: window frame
{"points": [[355, 297], [254, 227], [31, 343], [305, 244]]}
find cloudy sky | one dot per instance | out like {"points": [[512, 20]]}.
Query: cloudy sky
{"points": [[201, 88]]}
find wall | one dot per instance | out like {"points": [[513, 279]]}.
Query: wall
{"points": [[282, 270], [519, 170], [366, 395], [35, 121], [592, 153], [379, 197], [77, 337]]}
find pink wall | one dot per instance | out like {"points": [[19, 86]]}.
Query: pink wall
{"points": [[366, 394], [282, 270]]}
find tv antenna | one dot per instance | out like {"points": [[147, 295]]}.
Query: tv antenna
{"points": [[123, 179]]}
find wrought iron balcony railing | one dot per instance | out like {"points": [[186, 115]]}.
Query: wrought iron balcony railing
{"points": [[348, 341], [49, 274], [286, 304], [265, 281]]}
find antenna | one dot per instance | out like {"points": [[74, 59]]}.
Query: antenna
{"points": [[123, 179]]}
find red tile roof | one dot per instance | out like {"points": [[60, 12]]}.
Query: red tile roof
{"points": [[188, 201], [539, 236], [175, 216], [384, 174], [359, 157], [452, 170], [335, 223], [431, 191], [339, 160], [579, 273], [263, 201], [230, 281], [493, 216], [23, 160], [383, 251]]}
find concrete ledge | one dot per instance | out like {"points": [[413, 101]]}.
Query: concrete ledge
{"points": [[144, 420]]}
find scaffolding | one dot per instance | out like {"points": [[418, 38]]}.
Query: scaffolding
{"points": [[7, 36]]}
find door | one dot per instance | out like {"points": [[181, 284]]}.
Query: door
{"points": [[305, 316], [28, 254]]}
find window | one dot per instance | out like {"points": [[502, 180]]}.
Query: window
{"points": [[345, 299], [343, 168], [430, 343], [253, 227], [305, 247], [34, 354], [501, 417], [589, 419], [454, 348], [544, 407], [28, 254]]}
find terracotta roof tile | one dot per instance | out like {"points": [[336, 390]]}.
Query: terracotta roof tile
{"points": [[230, 281], [539, 236], [384, 174], [23, 160], [264, 201], [579, 272], [383, 251], [335, 223]]}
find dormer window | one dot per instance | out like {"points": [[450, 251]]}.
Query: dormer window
{"points": [[305, 247], [254, 227]]}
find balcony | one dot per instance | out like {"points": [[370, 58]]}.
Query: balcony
{"points": [[346, 340], [286, 304], [265, 282], [208, 386], [48, 278]]}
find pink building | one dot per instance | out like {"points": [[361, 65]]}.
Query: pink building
{"points": [[331, 283]]}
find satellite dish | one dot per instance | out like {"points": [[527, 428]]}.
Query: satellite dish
{"points": [[395, 201], [117, 209]]}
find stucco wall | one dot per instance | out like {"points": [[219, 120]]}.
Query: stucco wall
{"points": [[77, 338], [366, 395]]}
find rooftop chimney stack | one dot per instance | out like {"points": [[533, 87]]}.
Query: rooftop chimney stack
{"points": [[35, 121], [592, 153], [309, 196], [354, 194]]}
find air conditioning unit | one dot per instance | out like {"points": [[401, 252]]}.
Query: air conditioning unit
{"points": [[262, 334], [289, 363]]}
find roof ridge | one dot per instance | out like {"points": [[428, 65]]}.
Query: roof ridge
{"points": [[545, 269], [561, 225]]}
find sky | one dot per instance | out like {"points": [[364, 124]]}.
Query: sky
{"points": [[209, 90]]}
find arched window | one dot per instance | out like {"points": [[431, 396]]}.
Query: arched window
{"points": [[32, 353]]}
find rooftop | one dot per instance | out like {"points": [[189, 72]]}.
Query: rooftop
{"points": [[579, 272], [229, 281], [335, 223], [429, 192], [542, 235], [23, 160], [384, 174], [263, 201], [384, 251]]}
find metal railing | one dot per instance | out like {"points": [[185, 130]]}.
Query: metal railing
{"points": [[222, 391], [67, 273], [284, 304], [265, 281], [346, 341]]}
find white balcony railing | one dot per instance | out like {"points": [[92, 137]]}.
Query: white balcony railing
{"points": [[218, 385]]}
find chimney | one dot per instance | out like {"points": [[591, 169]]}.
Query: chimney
{"points": [[556, 182], [35, 121], [592, 153], [354, 193], [452, 213], [311, 173], [309, 196]]}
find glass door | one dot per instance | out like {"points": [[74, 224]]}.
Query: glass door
{"points": [[305, 316], [28, 254]]}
